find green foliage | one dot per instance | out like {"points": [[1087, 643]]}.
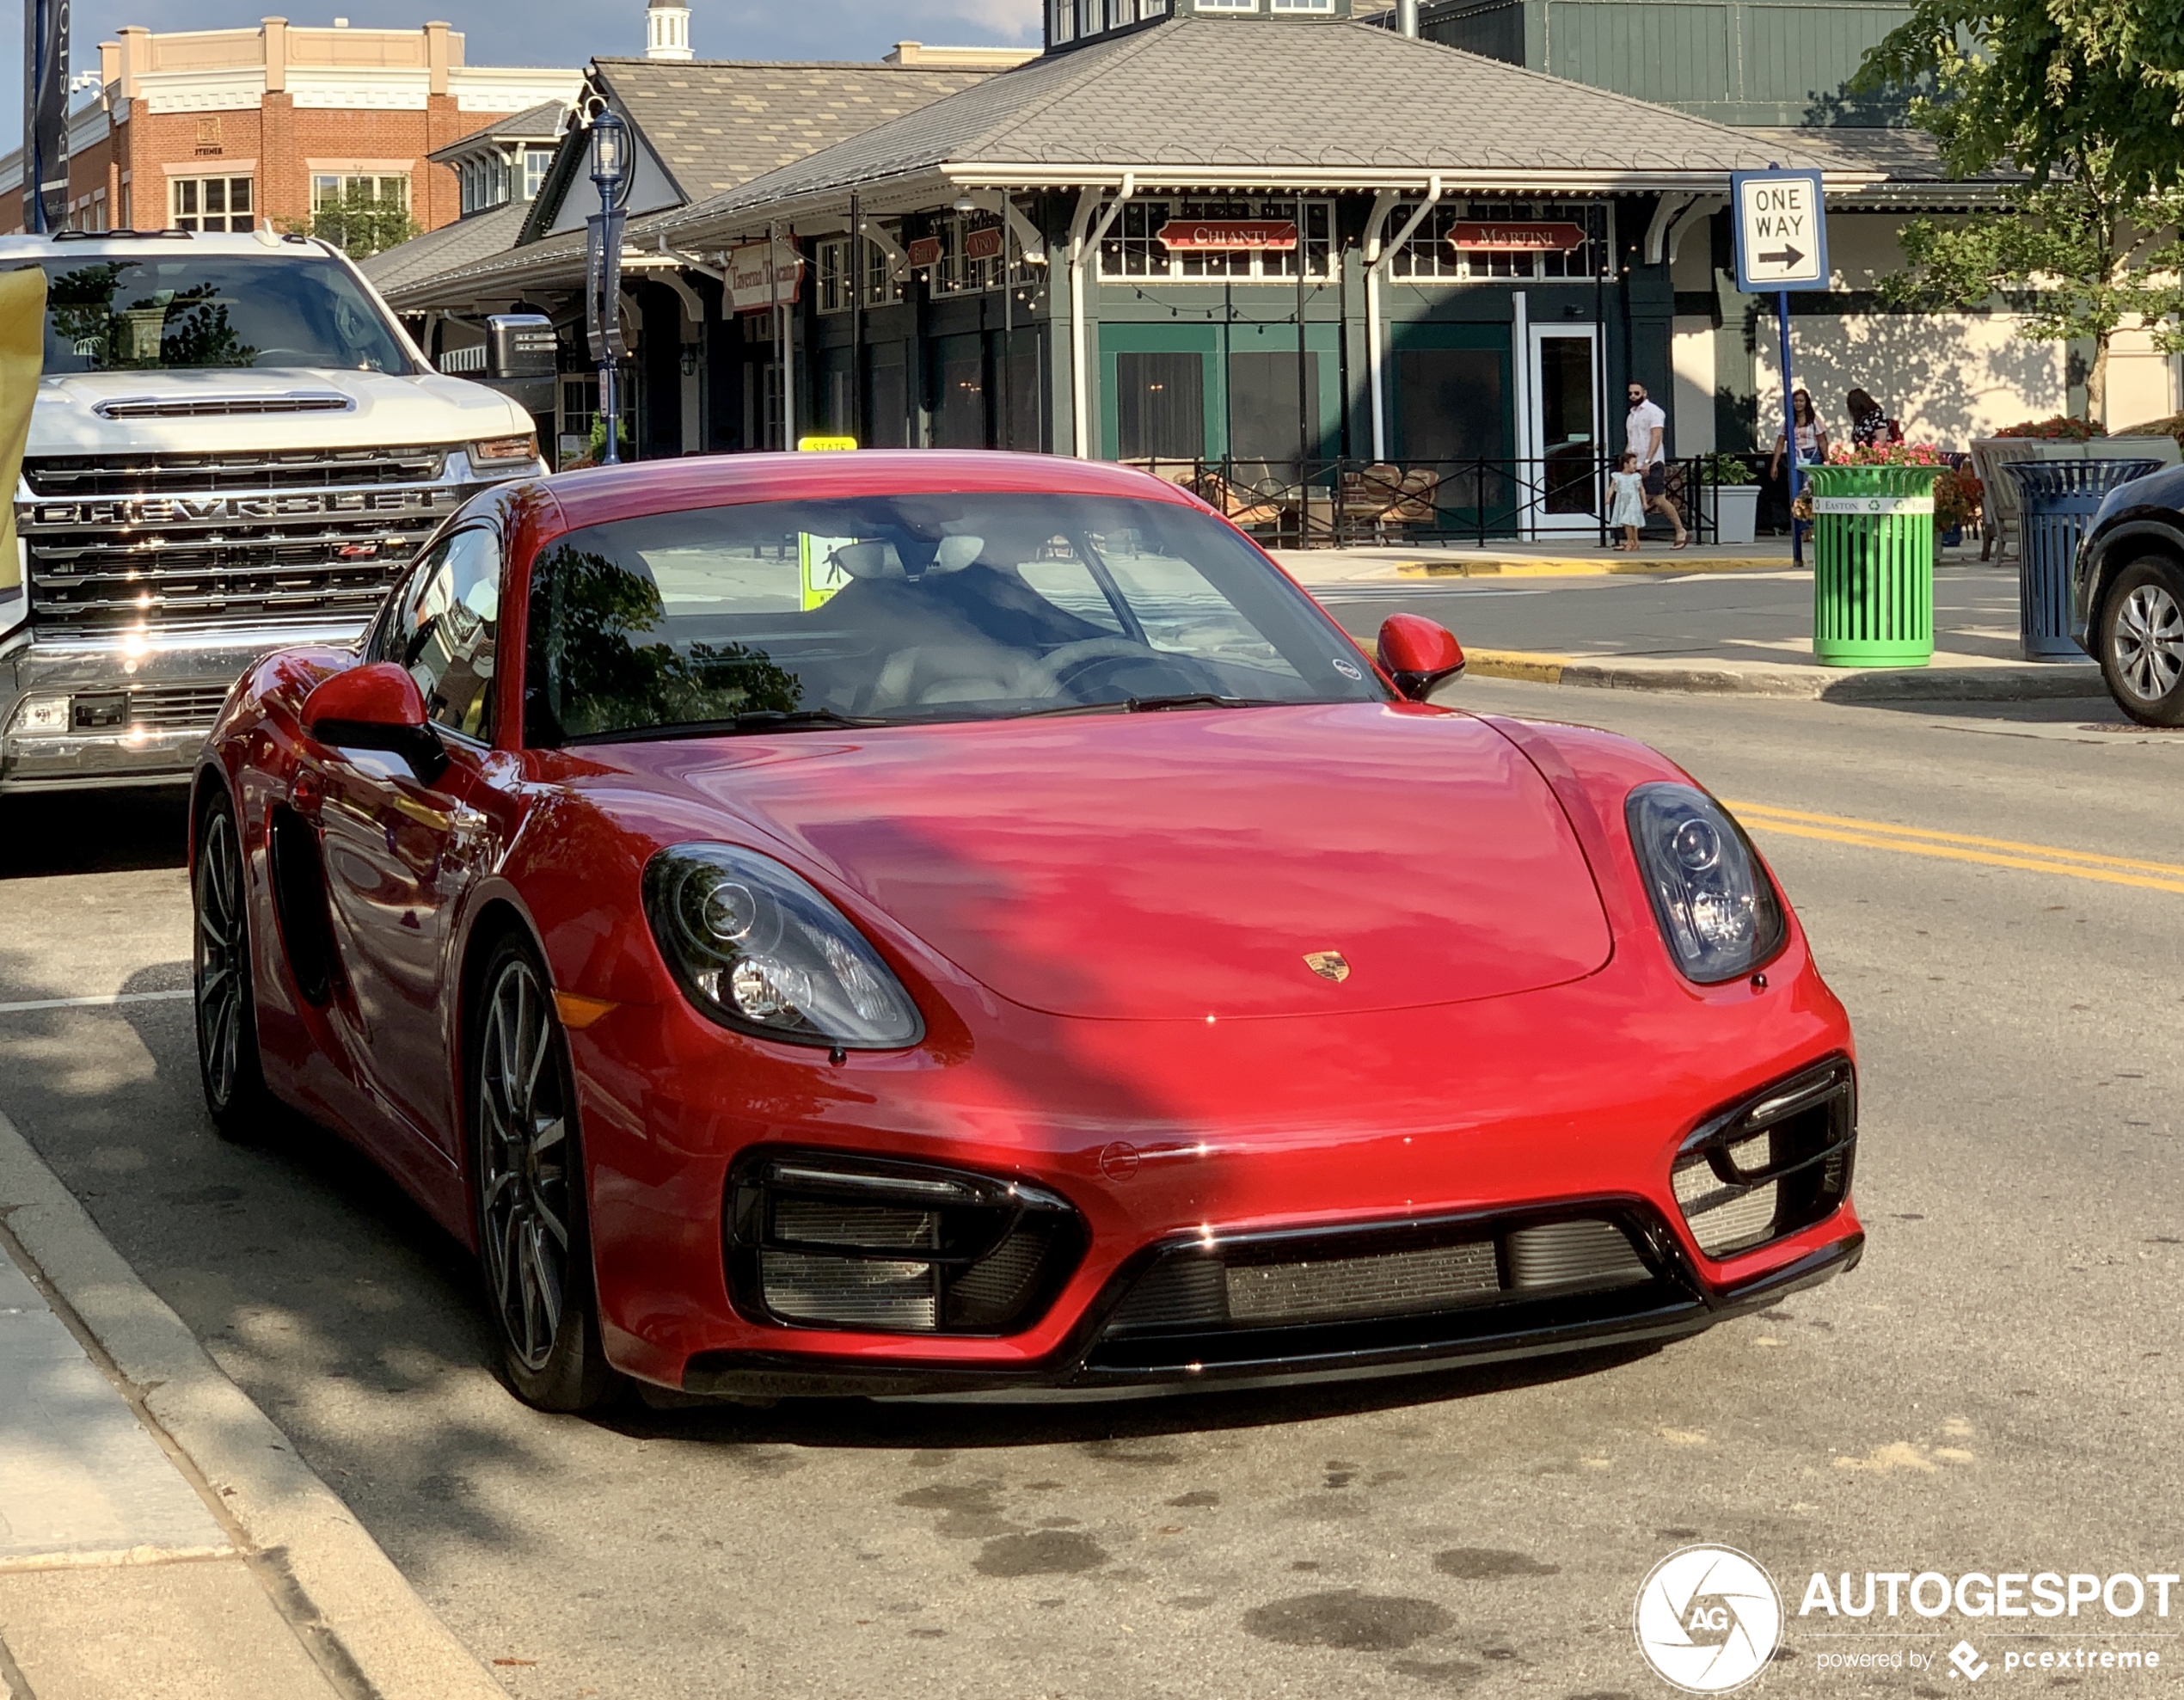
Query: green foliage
{"points": [[2086, 99], [2047, 86], [1726, 470], [362, 224]]}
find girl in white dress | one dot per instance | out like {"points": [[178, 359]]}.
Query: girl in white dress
{"points": [[1627, 501]]}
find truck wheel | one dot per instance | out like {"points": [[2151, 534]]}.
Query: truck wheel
{"points": [[229, 1065], [534, 1237], [2141, 641]]}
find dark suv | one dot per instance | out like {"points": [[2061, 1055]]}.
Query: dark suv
{"points": [[2127, 605]]}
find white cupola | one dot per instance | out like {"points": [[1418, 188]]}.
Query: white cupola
{"points": [[667, 30]]}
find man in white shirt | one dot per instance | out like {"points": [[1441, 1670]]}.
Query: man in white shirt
{"points": [[1643, 432]]}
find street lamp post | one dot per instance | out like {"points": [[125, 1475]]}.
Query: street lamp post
{"points": [[602, 269]]}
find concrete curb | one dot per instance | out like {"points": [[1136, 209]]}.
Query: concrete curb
{"points": [[355, 1613], [2030, 683], [1587, 567]]}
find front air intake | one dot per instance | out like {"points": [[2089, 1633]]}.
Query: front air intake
{"points": [[821, 1241], [1774, 1165]]}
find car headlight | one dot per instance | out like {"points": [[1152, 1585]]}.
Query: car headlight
{"points": [[500, 451], [756, 947], [1717, 908]]}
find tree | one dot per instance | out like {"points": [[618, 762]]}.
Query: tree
{"points": [[2085, 99], [361, 224]]}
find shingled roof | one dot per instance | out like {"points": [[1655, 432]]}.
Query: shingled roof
{"points": [[464, 243], [1338, 104], [717, 124]]}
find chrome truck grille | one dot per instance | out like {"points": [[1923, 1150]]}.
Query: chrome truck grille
{"points": [[175, 541]]}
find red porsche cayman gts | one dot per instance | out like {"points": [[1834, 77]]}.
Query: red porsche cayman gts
{"points": [[912, 924]]}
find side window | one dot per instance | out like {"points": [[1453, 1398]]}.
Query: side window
{"points": [[444, 627]]}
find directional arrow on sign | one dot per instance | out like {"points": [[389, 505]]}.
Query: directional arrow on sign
{"points": [[1782, 256]]}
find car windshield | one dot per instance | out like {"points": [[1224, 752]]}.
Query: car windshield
{"points": [[189, 311], [915, 607]]}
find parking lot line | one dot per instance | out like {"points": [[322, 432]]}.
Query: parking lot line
{"points": [[1962, 847]]}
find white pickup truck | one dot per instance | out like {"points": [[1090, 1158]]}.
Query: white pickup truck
{"points": [[234, 447]]}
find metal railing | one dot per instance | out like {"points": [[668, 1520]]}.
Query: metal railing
{"points": [[1333, 504]]}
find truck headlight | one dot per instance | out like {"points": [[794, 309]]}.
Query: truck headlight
{"points": [[503, 450], [39, 715]]}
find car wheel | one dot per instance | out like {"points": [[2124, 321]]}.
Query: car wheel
{"points": [[2142, 641], [533, 1235], [229, 1065]]}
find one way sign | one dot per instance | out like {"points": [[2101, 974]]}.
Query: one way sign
{"points": [[1782, 231]]}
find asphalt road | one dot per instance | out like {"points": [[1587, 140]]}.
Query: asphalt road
{"points": [[1996, 1389]]}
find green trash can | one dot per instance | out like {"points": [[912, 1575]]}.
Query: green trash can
{"points": [[1873, 565]]}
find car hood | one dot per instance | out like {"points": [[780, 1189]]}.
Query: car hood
{"points": [[1189, 863], [383, 408]]}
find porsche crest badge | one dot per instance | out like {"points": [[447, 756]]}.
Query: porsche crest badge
{"points": [[1329, 965]]}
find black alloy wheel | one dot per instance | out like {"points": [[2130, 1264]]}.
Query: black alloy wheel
{"points": [[228, 1062], [533, 1235], [2141, 641]]}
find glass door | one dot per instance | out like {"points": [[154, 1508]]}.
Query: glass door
{"points": [[1565, 480]]}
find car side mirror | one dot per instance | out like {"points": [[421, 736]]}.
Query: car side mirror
{"points": [[376, 707], [1418, 654]]}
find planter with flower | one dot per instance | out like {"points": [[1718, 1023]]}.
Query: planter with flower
{"points": [[2062, 427], [1728, 500]]}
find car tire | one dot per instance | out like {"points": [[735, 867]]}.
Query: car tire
{"points": [[2141, 641], [229, 1066], [533, 1226]]}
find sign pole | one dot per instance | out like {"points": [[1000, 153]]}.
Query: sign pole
{"points": [[1781, 246], [44, 115], [1790, 431]]}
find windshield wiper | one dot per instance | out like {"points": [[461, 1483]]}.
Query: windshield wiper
{"points": [[1140, 705], [751, 720]]}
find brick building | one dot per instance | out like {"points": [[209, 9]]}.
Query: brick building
{"points": [[233, 129]]}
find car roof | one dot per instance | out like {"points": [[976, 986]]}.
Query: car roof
{"points": [[168, 244], [598, 494]]}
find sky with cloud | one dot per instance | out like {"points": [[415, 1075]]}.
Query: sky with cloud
{"points": [[570, 31]]}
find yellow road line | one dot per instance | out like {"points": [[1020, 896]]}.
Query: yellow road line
{"points": [[1960, 847], [2046, 852]]}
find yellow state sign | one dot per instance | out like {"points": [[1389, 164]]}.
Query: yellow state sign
{"points": [[825, 445]]}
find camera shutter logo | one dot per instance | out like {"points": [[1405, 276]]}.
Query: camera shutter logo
{"points": [[1708, 1619]]}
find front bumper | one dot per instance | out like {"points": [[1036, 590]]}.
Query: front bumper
{"points": [[140, 704], [1107, 1359]]}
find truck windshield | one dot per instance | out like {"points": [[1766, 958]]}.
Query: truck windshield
{"points": [[162, 313]]}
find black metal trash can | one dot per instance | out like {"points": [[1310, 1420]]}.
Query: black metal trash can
{"points": [[2060, 497]]}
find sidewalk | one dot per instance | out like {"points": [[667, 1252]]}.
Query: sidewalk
{"points": [[1575, 557], [159, 1537], [1693, 620]]}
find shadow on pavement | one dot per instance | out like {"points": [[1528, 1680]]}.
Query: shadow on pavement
{"points": [[94, 832]]}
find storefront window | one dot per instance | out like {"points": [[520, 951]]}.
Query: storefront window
{"points": [[1134, 249], [1432, 254], [212, 203], [835, 279]]}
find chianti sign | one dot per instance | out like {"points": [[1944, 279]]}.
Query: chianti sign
{"points": [[1230, 236], [1476, 237]]}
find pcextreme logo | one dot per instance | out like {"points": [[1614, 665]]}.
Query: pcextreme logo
{"points": [[1708, 1619]]}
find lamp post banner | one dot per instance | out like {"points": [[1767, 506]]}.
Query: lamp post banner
{"points": [[602, 284], [45, 114]]}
